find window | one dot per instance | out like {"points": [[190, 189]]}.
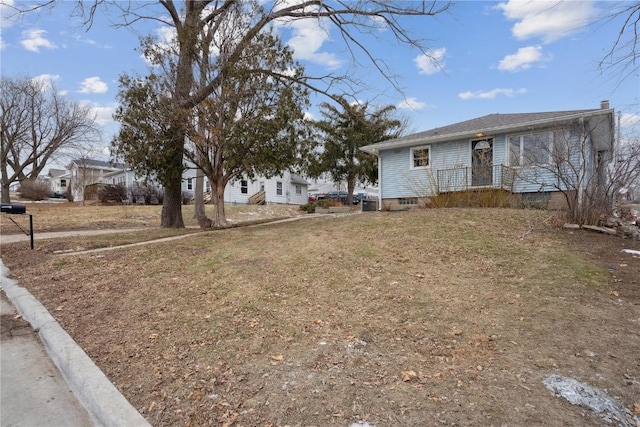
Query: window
{"points": [[420, 157], [244, 186], [189, 183], [530, 149], [298, 189], [279, 188], [207, 185], [63, 183]]}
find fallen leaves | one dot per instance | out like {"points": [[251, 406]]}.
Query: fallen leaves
{"points": [[408, 375]]}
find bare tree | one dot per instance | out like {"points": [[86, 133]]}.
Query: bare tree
{"points": [[580, 161], [355, 22], [624, 56], [36, 124]]}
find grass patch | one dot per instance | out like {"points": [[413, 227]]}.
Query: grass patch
{"points": [[415, 318]]}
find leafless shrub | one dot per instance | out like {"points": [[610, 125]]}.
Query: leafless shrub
{"points": [[33, 189]]}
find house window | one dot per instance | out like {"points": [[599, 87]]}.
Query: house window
{"points": [[530, 149], [298, 189], [420, 157], [244, 186], [408, 201], [189, 183], [279, 188], [63, 183], [207, 185]]}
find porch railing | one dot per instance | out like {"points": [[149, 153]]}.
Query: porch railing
{"points": [[465, 178]]}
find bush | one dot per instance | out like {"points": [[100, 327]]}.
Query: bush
{"points": [[150, 193], [308, 208], [34, 190], [112, 193], [187, 197], [327, 203]]}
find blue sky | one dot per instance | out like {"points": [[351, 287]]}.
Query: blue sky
{"points": [[493, 57]]}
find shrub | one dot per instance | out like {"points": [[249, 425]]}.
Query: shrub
{"points": [[112, 193], [150, 193], [187, 197], [34, 190], [327, 203], [308, 208]]}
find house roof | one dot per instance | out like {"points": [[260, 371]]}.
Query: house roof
{"points": [[488, 125], [297, 179], [55, 173], [98, 164]]}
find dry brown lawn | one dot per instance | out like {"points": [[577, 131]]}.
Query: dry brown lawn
{"points": [[431, 317]]}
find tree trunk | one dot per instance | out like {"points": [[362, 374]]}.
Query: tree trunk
{"points": [[217, 195], [350, 187], [172, 207], [199, 213], [6, 197]]}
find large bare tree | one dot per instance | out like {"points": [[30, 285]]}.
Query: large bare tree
{"points": [[356, 22], [36, 124]]}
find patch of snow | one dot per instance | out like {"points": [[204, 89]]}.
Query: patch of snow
{"points": [[361, 424], [584, 395], [631, 251]]}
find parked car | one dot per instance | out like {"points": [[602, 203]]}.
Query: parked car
{"points": [[315, 197], [358, 197], [58, 195], [340, 196]]}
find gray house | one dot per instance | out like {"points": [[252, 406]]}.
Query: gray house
{"points": [[533, 155]]}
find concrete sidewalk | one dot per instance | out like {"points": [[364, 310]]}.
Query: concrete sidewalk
{"points": [[5, 239], [35, 393]]}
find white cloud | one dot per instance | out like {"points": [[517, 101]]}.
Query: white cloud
{"points": [[104, 115], [46, 80], [93, 85], [309, 116], [411, 103], [308, 37], [523, 59], [431, 62], [491, 94], [549, 20], [34, 39]]}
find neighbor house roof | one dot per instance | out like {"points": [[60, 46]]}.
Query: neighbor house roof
{"points": [[98, 164], [297, 179], [488, 125], [55, 173]]}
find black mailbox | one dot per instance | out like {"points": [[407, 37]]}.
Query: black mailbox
{"points": [[13, 209]]}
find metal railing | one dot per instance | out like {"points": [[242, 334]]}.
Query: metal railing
{"points": [[465, 178]]}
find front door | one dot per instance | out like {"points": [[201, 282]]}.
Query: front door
{"points": [[482, 162]]}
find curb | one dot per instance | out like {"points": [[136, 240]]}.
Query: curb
{"points": [[102, 400]]}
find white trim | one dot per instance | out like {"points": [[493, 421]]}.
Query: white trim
{"points": [[411, 158]]}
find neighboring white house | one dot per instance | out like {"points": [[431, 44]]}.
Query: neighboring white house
{"points": [[59, 180], [287, 188], [85, 172]]}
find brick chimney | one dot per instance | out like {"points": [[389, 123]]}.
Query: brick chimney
{"points": [[604, 105]]}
